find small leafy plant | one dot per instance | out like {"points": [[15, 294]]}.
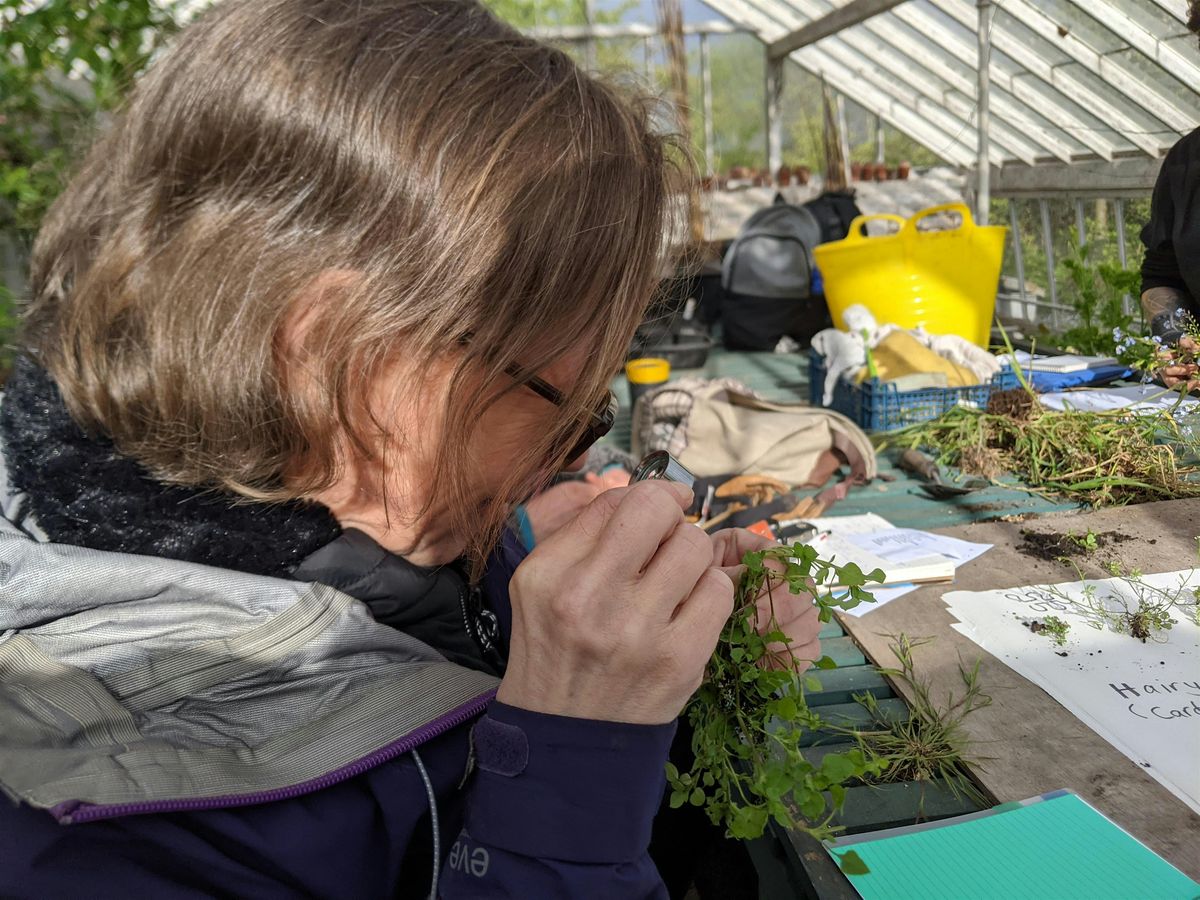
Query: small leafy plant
{"points": [[1052, 627], [1089, 542], [930, 743], [749, 714], [1142, 611]]}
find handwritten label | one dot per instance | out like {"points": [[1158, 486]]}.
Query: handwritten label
{"points": [[1142, 697]]}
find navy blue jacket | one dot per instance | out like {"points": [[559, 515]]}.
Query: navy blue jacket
{"points": [[548, 807]]}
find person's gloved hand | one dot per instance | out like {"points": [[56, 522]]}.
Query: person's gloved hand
{"points": [[1181, 367], [795, 614]]}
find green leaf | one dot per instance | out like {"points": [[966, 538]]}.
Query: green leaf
{"points": [[851, 863], [678, 798], [825, 662], [837, 767], [748, 822], [785, 708], [837, 793], [672, 772], [697, 797], [812, 805]]}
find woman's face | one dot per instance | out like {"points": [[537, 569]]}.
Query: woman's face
{"points": [[385, 498]]}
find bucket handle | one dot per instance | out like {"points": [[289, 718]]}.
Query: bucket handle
{"points": [[967, 223], [858, 226]]}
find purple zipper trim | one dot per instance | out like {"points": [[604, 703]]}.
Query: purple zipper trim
{"points": [[75, 811]]}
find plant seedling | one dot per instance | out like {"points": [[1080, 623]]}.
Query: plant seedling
{"points": [[750, 712]]}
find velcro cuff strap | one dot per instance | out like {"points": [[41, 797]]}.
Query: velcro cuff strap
{"points": [[575, 790]]}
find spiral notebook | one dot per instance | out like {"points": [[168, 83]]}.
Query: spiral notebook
{"points": [[1053, 847]]}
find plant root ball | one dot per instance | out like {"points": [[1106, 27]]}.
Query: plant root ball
{"points": [[1017, 404]]}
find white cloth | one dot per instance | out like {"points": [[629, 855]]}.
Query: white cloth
{"points": [[843, 353], [846, 351], [962, 352]]}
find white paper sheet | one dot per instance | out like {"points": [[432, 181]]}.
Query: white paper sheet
{"points": [[906, 545], [877, 535], [1134, 397], [1144, 699], [845, 525]]}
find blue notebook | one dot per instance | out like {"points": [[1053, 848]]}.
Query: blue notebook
{"points": [[1054, 847]]}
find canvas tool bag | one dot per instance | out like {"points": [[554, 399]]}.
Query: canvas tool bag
{"points": [[725, 429]]}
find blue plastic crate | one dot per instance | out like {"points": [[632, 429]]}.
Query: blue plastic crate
{"points": [[875, 405]]}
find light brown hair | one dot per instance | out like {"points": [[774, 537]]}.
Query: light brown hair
{"points": [[475, 181]]}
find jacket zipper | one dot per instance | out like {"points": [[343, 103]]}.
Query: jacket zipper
{"points": [[76, 811]]}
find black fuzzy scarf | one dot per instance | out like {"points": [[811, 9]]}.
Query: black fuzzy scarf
{"points": [[82, 492]]}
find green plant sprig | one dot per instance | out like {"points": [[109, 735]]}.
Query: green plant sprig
{"points": [[750, 713]]}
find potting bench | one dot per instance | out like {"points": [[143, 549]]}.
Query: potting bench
{"points": [[1031, 743]]}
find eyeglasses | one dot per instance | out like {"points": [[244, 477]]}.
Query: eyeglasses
{"points": [[600, 420]]}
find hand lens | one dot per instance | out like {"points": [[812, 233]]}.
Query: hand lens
{"points": [[661, 465]]}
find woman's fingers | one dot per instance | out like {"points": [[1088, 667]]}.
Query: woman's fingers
{"points": [[647, 514], [680, 562], [703, 613], [730, 545]]}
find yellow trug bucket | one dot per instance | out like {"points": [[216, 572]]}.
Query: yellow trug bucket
{"points": [[944, 281]]}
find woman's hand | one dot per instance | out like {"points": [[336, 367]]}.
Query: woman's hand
{"points": [[795, 614], [617, 613], [556, 506], [1181, 368]]}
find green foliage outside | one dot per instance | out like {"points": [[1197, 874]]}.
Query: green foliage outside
{"points": [[1089, 279], [63, 64]]}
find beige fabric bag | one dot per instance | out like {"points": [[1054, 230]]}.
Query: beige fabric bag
{"points": [[730, 432]]}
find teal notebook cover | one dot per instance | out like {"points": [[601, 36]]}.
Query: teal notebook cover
{"points": [[1059, 849]]}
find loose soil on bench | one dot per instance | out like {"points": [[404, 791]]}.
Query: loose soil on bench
{"points": [[1052, 545]]}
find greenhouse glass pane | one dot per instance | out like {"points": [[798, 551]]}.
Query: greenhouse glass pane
{"points": [[942, 19], [1013, 26], [1143, 121], [1151, 17], [1086, 121], [1158, 78], [1080, 24], [1182, 43]]}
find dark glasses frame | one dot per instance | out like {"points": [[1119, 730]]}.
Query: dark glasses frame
{"points": [[600, 421]]}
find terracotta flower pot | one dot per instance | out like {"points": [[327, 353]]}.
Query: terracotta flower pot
{"points": [[783, 177], [857, 171], [903, 170], [802, 174]]}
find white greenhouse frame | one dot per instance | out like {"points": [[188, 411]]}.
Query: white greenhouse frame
{"points": [[1040, 100]]}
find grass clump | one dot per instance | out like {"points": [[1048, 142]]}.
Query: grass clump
{"points": [[1100, 458], [930, 743]]}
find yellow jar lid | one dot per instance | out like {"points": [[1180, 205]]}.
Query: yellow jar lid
{"points": [[647, 371]]}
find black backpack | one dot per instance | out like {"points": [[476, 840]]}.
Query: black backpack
{"points": [[834, 211], [767, 276]]}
